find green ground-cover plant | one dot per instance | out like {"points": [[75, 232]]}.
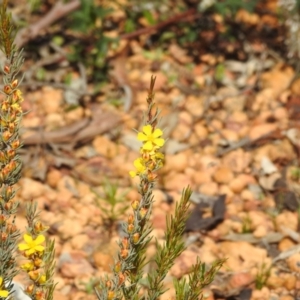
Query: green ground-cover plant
{"points": [[262, 276], [111, 203], [37, 253]]}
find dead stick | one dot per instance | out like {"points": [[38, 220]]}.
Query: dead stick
{"points": [[158, 26], [58, 11]]}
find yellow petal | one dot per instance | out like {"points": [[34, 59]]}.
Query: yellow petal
{"points": [[147, 129], [39, 248], [27, 238], [132, 173], [29, 252], [3, 293], [141, 137], [157, 133], [23, 247], [159, 142], [148, 146], [42, 279], [137, 162], [1, 280], [40, 239]]}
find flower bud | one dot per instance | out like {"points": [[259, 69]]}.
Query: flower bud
{"points": [[143, 212], [29, 289], [125, 243], [135, 204], [11, 228], [122, 278], [15, 144], [6, 69], [14, 83], [136, 237], [2, 219], [8, 192], [39, 227], [110, 295], [108, 284], [33, 275], [11, 126], [8, 205], [124, 253], [3, 236], [6, 135], [4, 106], [130, 227], [2, 157], [151, 176], [11, 153], [7, 89], [117, 267], [40, 295], [38, 262], [130, 218]]}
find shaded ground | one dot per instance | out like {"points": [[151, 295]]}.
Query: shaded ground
{"points": [[230, 111]]}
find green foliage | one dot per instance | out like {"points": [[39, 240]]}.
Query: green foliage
{"points": [[262, 276], [247, 225], [199, 278], [295, 173], [89, 21], [230, 7], [111, 203], [220, 72]]}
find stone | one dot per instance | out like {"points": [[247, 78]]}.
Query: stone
{"points": [[260, 130], [51, 100], [287, 219], [285, 244], [290, 281], [242, 255], [260, 232], [201, 131], [183, 263], [69, 228], [263, 294], [237, 161], [223, 175], [200, 177], [31, 189], [294, 262], [73, 264], [176, 181], [74, 114], [105, 147], [239, 280], [53, 177], [238, 183], [210, 189], [177, 162], [79, 241], [103, 260]]}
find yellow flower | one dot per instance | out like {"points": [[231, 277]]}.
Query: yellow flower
{"points": [[3, 293], [151, 138], [32, 245], [140, 167], [42, 279], [29, 266]]}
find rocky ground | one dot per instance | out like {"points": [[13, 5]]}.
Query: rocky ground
{"points": [[233, 134]]}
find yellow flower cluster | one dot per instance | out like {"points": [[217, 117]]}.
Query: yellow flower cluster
{"points": [[151, 159], [3, 293], [33, 251]]}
